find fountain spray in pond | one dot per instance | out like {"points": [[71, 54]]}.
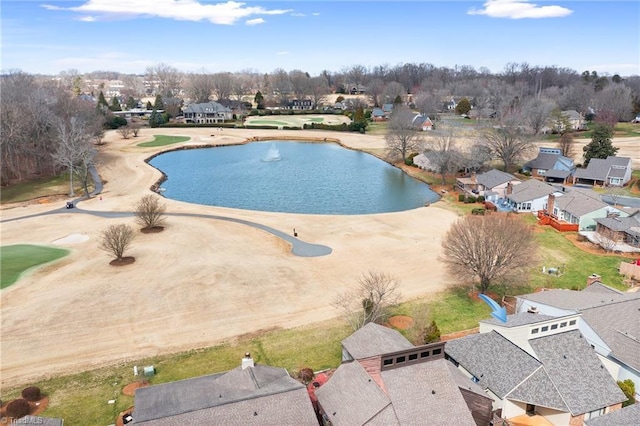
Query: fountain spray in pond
{"points": [[273, 154]]}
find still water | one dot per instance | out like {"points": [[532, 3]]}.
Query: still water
{"points": [[294, 177]]}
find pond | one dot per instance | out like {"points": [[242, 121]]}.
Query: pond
{"points": [[292, 177]]}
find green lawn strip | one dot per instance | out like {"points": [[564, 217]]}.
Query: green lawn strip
{"points": [[16, 259], [316, 347], [162, 140], [267, 122], [316, 119], [42, 187]]}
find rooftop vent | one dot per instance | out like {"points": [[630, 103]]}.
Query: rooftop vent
{"points": [[247, 361], [532, 310]]}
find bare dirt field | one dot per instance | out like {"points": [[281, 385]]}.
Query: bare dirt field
{"points": [[200, 281]]}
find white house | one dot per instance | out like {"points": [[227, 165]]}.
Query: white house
{"points": [[529, 196]]}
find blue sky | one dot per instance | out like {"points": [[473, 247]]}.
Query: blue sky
{"points": [[198, 35]]}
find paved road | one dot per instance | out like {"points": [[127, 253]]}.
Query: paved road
{"points": [[633, 202], [298, 247]]}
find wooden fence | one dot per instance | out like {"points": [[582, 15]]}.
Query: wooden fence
{"points": [[562, 226], [630, 270]]}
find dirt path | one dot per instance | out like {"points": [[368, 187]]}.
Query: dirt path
{"points": [[200, 281]]}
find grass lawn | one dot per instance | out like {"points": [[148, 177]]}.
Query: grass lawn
{"points": [[267, 123], [16, 259], [43, 187], [316, 119], [162, 140]]}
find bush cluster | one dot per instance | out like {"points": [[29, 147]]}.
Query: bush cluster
{"points": [[18, 408], [31, 393], [480, 212]]}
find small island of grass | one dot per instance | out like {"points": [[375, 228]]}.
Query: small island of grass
{"points": [[162, 140], [16, 259]]}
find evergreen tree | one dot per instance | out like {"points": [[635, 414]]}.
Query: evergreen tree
{"points": [[102, 102], [600, 145], [463, 107], [115, 104], [259, 100], [131, 103], [155, 119], [397, 100], [149, 106], [158, 103]]}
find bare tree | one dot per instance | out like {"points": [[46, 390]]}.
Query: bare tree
{"points": [[476, 157], [374, 91], [166, 78], [75, 150], [223, 85], [300, 83], [135, 129], [617, 99], [484, 249], [403, 136], [124, 131], [536, 112], [370, 300], [116, 239], [507, 142], [392, 91], [614, 193], [200, 87], [566, 144], [150, 212], [281, 85], [442, 151], [428, 104], [318, 89]]}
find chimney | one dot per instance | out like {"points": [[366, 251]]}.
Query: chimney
{"points": [[247, 361], [551, 200], [509, 188], [593, 278]]}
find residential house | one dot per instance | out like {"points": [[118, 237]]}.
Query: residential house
{"points": [[537, 368], [529, 196], [399, 387], [300, 104], [629, 415], [612, 171], [492, 184], [377, 114], [249, 394], [387, 109], [610, 322], [550, 166], [423, 162], [625, 230], [207, 113], [578, 207], [422, 122]]}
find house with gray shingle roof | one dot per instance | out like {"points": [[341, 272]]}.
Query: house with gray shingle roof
{"points": [[249, 394], [491, 184], [550, 167], [529, 196], [610, 322], [537, 365], [623, 229], [580, 207], [207, 113], [627, 416], [612, 171], [372, 340]]}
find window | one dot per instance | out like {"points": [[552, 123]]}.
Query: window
{"points": [[545, 328], [572, 322], [541, 172], [437, 351], [563, 324], [401, 359], [413, 357], [554, 326], [534, 330], [424, 354], [387, 362]]}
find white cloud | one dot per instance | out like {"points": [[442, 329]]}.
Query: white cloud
{"points": [[519, 9], [184, 10], [298, 14], [87, 19], [282, 53], [255, 21], [316, 14]]}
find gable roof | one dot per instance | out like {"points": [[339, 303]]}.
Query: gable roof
{"points": [[531, 189], [543, 161], [240, 390], [620, 224], [618, 324], [577, 300], [576, 372], [377, 112], [539, 390], [351, 397], [599, 169], [208, 107], [494, 177], [374, 339], [498, 364], [426, 390], [520, 319], [626, 416], [578, 203]]}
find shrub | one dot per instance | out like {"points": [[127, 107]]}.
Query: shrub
{"points": [[481, 198], [305, 375], [629, 390], [32, 393], [470, 199], [461, 198], [431, 333], [478, 212], [18, 408]]}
